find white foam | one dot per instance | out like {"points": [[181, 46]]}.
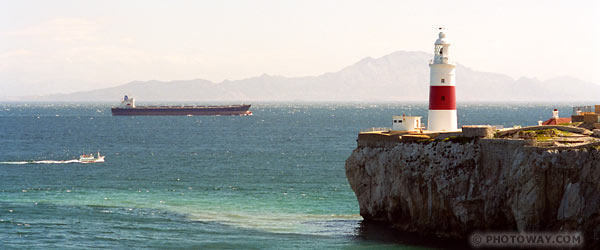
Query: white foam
{"points": [[39, 162], [315, 224]]}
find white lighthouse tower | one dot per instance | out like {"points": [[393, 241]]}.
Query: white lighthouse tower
{"points": [[442, 94]]}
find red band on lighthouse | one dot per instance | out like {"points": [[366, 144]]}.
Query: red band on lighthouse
{"points": [[442, 98]]}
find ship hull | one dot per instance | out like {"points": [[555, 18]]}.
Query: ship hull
{"points": [[182, 110]]}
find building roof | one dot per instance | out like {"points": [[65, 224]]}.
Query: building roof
{"points": [[405, 116], [556, 121]]}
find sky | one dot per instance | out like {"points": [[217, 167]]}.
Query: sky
{"points": [[67, 46]]}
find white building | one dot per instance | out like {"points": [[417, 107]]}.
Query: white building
{"points": [[442, 97], [406, 123]]}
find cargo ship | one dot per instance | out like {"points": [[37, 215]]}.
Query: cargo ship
{"points": [[128, 108]]}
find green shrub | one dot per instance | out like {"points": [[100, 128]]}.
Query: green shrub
{"points": [[459, 139], [426, 141]]}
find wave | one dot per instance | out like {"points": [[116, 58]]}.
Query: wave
{"points": [[314, 224], [39, 162]]}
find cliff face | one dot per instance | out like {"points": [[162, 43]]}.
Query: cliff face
{"points": [[451, 189]]}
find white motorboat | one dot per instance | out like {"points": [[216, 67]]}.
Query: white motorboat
{"points": [[91, 158]]}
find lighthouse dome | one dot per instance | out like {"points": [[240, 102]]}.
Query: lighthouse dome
{"points": [[442, 39]]}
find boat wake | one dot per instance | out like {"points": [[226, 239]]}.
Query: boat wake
{"points": [[84, 158], [39, 162]]}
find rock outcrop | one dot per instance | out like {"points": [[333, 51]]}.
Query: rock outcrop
{"points": [[452, 189]]}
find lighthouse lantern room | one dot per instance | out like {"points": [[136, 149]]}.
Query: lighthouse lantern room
{"points": [[442, 95]]}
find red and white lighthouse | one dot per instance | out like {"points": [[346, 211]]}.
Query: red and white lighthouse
{"points": [[442, 95]]}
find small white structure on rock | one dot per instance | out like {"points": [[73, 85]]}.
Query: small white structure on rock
{"points": [[406, 123]]}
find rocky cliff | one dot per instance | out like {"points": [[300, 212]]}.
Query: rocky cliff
{"points": [[451, 189]]}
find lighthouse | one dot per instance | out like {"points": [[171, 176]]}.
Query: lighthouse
{"points": [[442, 95]]}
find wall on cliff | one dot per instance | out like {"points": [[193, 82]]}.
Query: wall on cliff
{"points": [[452, 189]]}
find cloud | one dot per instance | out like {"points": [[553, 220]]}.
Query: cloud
{"points": [[60, 30], [67, 54], [20, 52]]}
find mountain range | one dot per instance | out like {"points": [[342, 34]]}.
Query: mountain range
{"points": [[400, 76]]}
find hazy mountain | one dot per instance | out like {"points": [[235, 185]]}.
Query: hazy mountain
{"points": [[400, 76]]}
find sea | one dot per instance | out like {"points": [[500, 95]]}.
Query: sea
{"points": [[273, 180]]}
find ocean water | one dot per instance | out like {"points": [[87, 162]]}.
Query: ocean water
{"points": [[273, 180]]}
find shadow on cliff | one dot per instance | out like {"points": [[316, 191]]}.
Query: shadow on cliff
{"points": [[383, 233]]}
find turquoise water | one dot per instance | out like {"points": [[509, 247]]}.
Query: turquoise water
{"points": [[272, 180]]}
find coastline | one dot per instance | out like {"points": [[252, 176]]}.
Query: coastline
{"points": [[451, 189]]}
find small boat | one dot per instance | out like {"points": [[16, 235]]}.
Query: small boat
{"points": [[90, 158]]}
